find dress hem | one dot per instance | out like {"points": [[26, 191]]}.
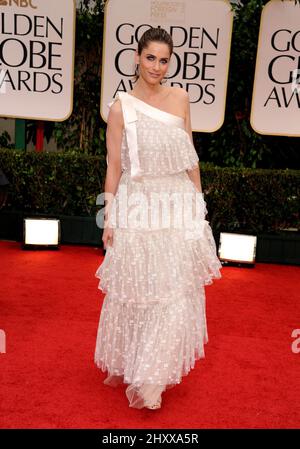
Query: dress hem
{"points": [[133, 392], [104, 368]]}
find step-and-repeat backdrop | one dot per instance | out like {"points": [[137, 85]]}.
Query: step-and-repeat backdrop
{"points": [[37, 58]]}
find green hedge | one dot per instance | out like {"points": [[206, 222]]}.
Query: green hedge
{"points": [[51, 183], [238, 199]]}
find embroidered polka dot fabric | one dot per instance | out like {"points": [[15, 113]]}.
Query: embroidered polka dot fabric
{"points": [[163, 150], [152, 325]]}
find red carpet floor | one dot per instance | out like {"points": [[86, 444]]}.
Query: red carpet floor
{"points": [[49, 310]]}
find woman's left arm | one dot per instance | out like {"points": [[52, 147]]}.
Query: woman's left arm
{"points": [[194, 173]]}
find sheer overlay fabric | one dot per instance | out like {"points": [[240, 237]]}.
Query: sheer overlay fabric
{"points": [[152, 325]]}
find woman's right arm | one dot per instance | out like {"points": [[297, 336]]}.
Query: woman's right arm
{"points": [[114, 133]]}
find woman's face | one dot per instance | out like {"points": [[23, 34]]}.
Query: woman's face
{"points": [[154, 62]]}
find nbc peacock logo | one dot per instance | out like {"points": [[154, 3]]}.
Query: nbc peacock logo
{"points": [[19, 3]]}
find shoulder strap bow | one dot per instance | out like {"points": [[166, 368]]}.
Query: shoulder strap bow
{"points": [[130, 119]]}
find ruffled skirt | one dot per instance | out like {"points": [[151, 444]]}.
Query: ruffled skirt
{"points": [[152, 324]]}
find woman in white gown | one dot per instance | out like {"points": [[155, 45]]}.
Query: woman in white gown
{"points": [[152, 324]]}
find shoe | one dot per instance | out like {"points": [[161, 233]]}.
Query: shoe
{"points": [[154, 406]]}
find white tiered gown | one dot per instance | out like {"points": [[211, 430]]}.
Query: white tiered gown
{"points": [[152, 324]]}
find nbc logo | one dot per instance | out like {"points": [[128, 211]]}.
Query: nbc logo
{"points": [[20, 3]]}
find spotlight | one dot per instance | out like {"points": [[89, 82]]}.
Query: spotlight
{"points": [[41, 233], [237, 249]]}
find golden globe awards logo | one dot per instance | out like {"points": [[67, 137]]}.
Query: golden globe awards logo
{"points": [[37, 43], [275, 108], [284, 68], [201, 33], [20, 3], [31, 53], [194, 63]]}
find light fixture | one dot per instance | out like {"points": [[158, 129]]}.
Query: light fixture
{"points": [[237, 249], [41, 233]]}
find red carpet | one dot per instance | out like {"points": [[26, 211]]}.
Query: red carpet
{"points": [[49, 310]]}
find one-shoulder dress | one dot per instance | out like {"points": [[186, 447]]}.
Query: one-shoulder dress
{"points": [[152, 325]]}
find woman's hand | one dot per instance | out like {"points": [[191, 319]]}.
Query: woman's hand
{"points": [[107, 237]]}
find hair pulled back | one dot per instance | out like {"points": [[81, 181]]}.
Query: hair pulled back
{"points": [[153, 35]]}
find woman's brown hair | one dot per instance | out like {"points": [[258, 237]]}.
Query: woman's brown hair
{"points": [[153, 35]]}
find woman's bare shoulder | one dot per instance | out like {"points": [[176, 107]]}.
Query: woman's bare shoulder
{"points": [[179, 95], [115, 114], [178, 92]]}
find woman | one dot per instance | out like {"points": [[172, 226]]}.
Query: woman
{"points": [[152, 325]]}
